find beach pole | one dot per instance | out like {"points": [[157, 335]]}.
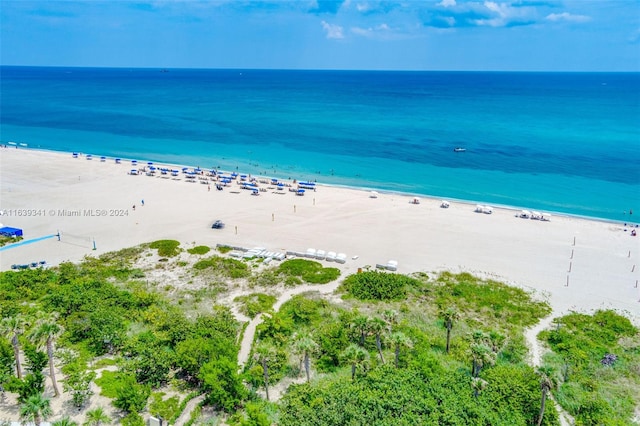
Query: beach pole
{"points": [[294, 208], [94, 244], [273, 217], [574, 241], [58, 235], [633, 268], [571, 254], [629, 253], [236, 230], [567, 284], [636, 283], [570, 266]]}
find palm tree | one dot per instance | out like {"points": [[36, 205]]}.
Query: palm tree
{"points": [[545, 387], [361, 325], [377, 326], [35, 409], [399, 339], [481, 356], [13, 327], [449, 316], [66, 421], [46, 331], [357, 357], [305, 345], [96, 417], [478, 385], [390, 316], [265, 353]]}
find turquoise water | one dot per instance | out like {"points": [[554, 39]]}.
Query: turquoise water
{"points": [[561, 142]]}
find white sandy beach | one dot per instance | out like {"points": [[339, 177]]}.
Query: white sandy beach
{"points": [[602, 268]]}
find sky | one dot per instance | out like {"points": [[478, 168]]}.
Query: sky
{"points": [[465, 35]]}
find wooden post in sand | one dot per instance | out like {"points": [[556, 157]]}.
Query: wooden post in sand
{"points": [[571, 254], [567, 284], [633, 268], [273, 217], [236, 230], [294, 208], [570, 266]]}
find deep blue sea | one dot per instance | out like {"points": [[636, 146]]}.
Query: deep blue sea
{"points": [[558, 142]]}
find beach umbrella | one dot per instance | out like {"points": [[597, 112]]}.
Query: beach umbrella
{"points": [[118, 160], [373, 194], [149, 163]]}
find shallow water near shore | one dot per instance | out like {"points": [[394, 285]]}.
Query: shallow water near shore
{"points": [[557, 142]]}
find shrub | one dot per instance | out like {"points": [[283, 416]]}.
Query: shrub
{"points": [[373, 285], [309, 271], [231, 268], [166, 248], [199, 250], [255, 303]]}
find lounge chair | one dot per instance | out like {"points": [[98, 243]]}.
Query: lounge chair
{"points": [[320, 254], [341, 258], [311, 253], [331, 256]]}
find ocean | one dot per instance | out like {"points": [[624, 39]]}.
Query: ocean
{"points": [[555, 142]]}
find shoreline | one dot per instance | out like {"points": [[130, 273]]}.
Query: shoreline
{"points": [[574, 263], [471, 203]]}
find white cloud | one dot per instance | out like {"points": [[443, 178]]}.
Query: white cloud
{"points": [[382, 31], [363, 7], [565, 16], [332, 30], [447, 3]]}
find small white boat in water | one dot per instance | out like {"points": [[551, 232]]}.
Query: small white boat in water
{"points": [[459, 149]]}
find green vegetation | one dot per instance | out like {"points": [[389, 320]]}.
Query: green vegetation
{"points": [[255, 303], [397, 350], [224, 249], [308, 270], [166, 248], [199, 250], [373, 285], [595, 363], [226, 267], [5, 240], [164, 408]]}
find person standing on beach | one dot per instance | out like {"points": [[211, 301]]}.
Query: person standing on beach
{"points": [[142, 202]]}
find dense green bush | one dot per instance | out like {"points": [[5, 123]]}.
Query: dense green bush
{"points": [[390, 396], [308, 270], [227, 267], [373, 285], [199, 250], [166, 248], [255, 303]]}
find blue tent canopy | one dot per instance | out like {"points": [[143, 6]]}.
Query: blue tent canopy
{"points": [[11, 232]]}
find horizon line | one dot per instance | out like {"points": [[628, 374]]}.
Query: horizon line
{"points": [[320, 69]]}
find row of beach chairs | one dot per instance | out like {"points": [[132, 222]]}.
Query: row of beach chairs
{"points": [[312, 253]]}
